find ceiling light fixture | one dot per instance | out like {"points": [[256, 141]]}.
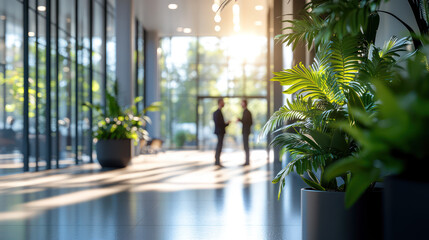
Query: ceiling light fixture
{"points": [[172, 6], [179, 29], [217, 28], [41, 8], [217, 18], [187, 30], [258, 23], [259, 7], [236, 16], [216, 5], [31, 34]]}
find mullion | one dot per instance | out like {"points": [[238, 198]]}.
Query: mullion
{"points": [[48, 86], [26, 145], [37, 90], [104, 55], [77, 84], [137, 61], [57, 88], [91, 120]]}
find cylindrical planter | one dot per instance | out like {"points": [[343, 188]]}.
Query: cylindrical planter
{"points": [[114, 153], [325, 217], [406, 209]]}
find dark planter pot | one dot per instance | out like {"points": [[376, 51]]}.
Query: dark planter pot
{"points": [[406, 208], [114, 153], [324, 216]]}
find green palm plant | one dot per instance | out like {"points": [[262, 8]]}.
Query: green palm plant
{"points": [[121, 123], [393, 141], [327, 91]]}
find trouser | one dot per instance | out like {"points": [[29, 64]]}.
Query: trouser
{"points": [[219, 147], [246, 146]]}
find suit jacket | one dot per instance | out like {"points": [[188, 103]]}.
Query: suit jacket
{"points": [[247, 121], [220, 124]]}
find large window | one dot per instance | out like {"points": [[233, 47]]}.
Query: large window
{"points": [[110, 46], [195, 71], [139, 55], [67, 66], [11, 83]]}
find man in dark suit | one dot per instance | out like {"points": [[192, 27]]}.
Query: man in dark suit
{"points": [[246, 120], [220, 126]]}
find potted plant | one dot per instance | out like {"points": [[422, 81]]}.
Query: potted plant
{"points": [[394, 143], [308, 126], [117, 128]]}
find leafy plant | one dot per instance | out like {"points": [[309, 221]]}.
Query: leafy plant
{"points": [[394, 140], [328, 93], [181, 137], [320, 19], [118, 123]]}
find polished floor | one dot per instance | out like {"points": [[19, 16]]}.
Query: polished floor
{"points": [[171, 195]]}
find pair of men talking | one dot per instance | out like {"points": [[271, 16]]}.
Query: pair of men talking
{"points": [[220, 126]]}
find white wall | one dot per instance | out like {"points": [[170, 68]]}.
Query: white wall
{"points": [[389, 26]]}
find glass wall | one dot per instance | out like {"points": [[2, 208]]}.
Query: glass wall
{"points": [[139, 56], [67, 66], [110, 46], [11, 84], [178, 65], [195, 72]]}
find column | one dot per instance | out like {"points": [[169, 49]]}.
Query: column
{"points": [[124, 51], [153, 87]]}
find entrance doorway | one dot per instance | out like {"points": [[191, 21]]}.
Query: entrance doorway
{"points": [[232, 111]]}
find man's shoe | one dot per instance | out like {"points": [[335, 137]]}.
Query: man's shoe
{"points": [[245, 164]]}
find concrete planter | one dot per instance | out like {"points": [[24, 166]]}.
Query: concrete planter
{"points": [[114, 153], [324, 216], [406, 208]]}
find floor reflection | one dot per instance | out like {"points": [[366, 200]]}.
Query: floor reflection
{"points": [[172, 195]]}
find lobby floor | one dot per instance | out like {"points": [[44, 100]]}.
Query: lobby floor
{"points": [[171, 195]]}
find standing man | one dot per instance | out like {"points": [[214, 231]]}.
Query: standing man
{"points": [[246, 120], [220, 126]]}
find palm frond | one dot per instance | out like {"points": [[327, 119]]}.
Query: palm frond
{"points": [[302, 163], [303, 30], [392, 48], [310, 83], [297, 109], [383, 60], [345, 58]]}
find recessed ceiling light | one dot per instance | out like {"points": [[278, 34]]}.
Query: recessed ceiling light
{"points": [[31, 34], [187, 30], [217, 28], [217, 18], [179, 29], [215, 7], [258, 23], [259, 7], [172, 6], [41, 8]]}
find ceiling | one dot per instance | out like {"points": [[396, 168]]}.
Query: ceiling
{"points": [[198, 15]]}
